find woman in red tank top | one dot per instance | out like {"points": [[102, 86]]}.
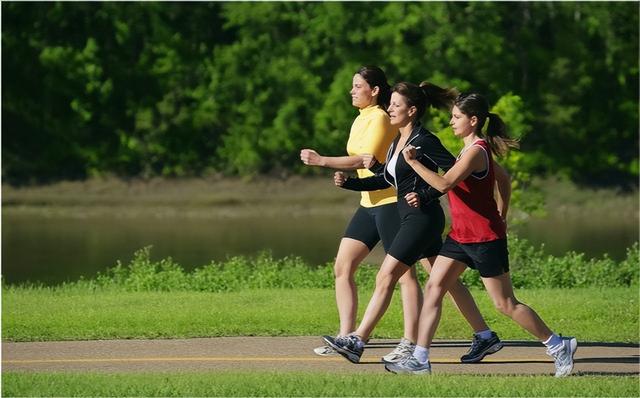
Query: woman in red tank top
{"points": [[478, 234]]}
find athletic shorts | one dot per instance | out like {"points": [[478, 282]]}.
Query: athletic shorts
{"points": [[420, 234], [489, 258], [369, 225]]}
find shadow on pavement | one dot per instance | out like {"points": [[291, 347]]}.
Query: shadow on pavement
{"points": [[506, 343]]}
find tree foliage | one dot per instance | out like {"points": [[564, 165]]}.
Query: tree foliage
{"points": [[172, 89]]}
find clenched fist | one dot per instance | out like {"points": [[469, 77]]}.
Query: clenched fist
{"points": [[412, 199], [409, 152], [310, 157], [368, 160], [339, 178]]}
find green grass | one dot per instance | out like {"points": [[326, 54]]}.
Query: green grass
{"points": [[271, 384], [74, 312], [41, 314]]}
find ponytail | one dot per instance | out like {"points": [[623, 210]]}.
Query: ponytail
{"points": [[473, 104], [438, 97], [384, 96], [497, 136], [425, 95]]}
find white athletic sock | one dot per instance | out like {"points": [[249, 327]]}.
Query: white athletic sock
{"points": [[484, 334], [553, 341], [421, 354]]}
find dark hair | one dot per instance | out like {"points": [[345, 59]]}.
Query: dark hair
{"points": [[375, 76], [425, 95], [474, 104]]}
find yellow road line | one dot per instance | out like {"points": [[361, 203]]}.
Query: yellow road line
{"points": [[244, 359]]}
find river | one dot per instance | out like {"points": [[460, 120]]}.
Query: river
{"points": [[51, 249]]}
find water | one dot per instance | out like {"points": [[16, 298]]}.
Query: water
{"points": [[53, 249]]}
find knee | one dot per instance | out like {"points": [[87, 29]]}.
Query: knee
{"points": [[434, 292], [409, 279], [385, 281], [344, 269], [434, 287], [505, 306]]}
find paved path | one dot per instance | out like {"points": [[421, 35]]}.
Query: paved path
{"points": [[295, 354]]}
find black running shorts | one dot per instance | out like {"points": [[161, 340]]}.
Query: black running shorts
{"points": [[420, 234], [489, 258], [369, 225]]}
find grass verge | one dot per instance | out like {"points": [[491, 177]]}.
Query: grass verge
{"points": [[46, 314], [271, 384]]}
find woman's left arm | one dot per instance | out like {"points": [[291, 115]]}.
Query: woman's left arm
{"points": [[503, 185], [472, 160]]}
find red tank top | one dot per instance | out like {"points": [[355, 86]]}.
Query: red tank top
{"points": [[474, 212]]}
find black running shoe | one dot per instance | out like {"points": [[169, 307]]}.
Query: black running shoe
{"points": [[350, 347], [481, 347]]}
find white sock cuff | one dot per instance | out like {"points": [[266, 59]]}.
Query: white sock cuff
{"points": [[421, 354], [553, 340]]}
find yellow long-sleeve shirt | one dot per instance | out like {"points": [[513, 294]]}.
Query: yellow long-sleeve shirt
{"points": [[371, 132]]}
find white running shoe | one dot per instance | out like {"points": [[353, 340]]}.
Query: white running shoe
{"points": [[563, 356], [324, 351], [409, 365], [402, 351]]}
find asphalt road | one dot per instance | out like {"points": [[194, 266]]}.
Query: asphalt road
{"points": [[295, 354]]}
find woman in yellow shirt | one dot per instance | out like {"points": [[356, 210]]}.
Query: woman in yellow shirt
{"points": [[377, 216]]}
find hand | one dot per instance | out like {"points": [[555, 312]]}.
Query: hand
{"points": [[339, 178], [409, 153], [504, 220], [412, 199], [368, 160], [310, 157]]}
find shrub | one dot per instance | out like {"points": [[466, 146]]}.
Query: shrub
{"points": [[530, 268]]}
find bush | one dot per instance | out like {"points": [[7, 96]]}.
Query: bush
{"points": [[530, 268]]}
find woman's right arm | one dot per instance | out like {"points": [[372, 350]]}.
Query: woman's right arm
{"points": [[473, 160], [372, 183], [313, 158]]}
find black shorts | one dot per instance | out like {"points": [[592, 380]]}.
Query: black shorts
{"points": [[489, 258], [369, 225], [420, 233]]}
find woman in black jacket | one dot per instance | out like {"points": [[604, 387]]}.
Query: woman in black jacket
{"points": [[422, 218]]}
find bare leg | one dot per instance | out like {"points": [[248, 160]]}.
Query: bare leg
{"points": [[411, 303], [444, 273], [350, 254], [462, 298], [388, 275], [501, 291]]}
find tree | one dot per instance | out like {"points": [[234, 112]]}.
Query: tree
{"points": [[172, 89]]}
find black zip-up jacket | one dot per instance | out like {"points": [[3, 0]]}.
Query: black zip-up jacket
{"points": [[432, 154]]}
